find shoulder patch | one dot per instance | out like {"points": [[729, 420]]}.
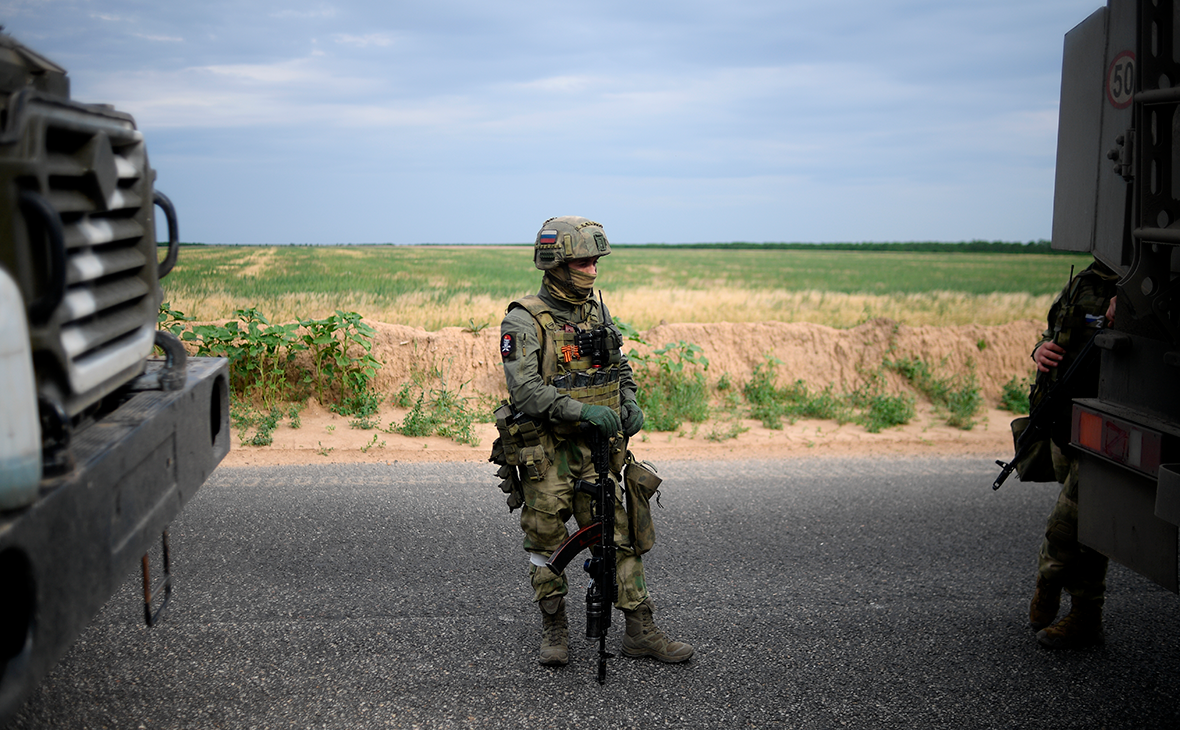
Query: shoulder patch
{"points": [[507, 346]]}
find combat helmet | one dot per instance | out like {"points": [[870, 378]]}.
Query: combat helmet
{"points": [[568, 237]]}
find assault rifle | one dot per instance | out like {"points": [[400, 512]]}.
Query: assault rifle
{"points": [[599, 536], [1040, 418]]}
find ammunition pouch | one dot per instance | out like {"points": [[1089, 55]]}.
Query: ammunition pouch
{"points": [[593, 387], [641, 482], [524, 441], [1037, 464], [534, 461]]}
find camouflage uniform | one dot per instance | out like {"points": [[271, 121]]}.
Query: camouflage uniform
{"points": [[1063, 562], [557, 385], [551, 501]]}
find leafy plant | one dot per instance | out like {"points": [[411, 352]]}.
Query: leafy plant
{"points": [[171, 320], [474, 328], [371, 444], [341, 348], [770, 404], [957, 397], [439, 410], [1014, 395], [868, 405], [245, 417], [258, 353], [668, 393], [726, 430]]}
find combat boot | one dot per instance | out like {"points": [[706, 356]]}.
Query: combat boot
{"points": [[644, 638], [1080, 628], [555, 632], [1045, 604]]}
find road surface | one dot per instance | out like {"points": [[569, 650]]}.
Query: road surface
{"points": [[818, 593]]}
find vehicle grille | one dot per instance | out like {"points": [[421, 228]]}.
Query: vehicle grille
{"points": [[91, 166]]}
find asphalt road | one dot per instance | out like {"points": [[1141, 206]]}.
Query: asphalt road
{"points": [[818, 593]]}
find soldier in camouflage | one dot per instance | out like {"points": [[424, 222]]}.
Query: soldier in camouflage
{"points": [[1063, 562], [553, 383]]}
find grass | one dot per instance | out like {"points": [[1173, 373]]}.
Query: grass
{"points": [[323, 288], [450, 286], [957, 397]]}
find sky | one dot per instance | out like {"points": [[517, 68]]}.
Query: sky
{"points": [[472, 121]]}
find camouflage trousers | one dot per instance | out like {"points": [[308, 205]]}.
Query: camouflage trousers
{"points": [[1080, 570], [548, 505]]}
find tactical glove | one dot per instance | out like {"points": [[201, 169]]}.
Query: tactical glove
{"points": [[632, 418], [604, 419]]}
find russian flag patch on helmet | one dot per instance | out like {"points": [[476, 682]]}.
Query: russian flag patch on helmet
{"points": [[547, 237]]}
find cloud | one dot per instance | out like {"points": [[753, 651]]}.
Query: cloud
{"points": [[324, 11], [161, 38], [363, 41], [849, 115]]}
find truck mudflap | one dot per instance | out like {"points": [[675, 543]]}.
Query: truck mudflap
{"points": [[135, 469]]}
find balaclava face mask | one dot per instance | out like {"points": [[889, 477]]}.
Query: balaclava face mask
{"points": [[569, 285]]}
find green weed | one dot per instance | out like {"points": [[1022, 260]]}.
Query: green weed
{"points": [[341, 352], [258, 353], [371, 444], [770, 404], [171, 320], [878, 409], [245, 418], [439, 410], [474, 328], [726, 430], [958, 397], [1014, 394], [670, 394]]}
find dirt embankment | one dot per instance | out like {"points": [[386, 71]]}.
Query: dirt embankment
{"points": [[816, 354]]}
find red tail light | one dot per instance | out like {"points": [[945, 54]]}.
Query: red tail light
{"points": [[1123, 442]]}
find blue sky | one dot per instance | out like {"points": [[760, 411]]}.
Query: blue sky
{"points": [[463, 121]]}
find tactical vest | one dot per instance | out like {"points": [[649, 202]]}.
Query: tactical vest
{"points": [[1074, 319], [564, 365], [1079, 309], [570, 368]]}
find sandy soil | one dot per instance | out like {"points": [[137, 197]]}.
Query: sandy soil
{"points": [[816, 354]]}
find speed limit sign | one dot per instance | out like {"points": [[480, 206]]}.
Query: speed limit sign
{"points": [[1120, 80]]}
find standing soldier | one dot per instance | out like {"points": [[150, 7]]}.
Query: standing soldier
{"points": [[1063, 562], [555, 390]]}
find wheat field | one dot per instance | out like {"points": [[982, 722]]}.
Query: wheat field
{"points": [[433, 287]]}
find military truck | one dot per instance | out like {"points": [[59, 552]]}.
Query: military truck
{"points": [[1117, 196], [101, 441]]}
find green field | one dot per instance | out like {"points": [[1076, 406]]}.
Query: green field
{"points": [[439, 286]]}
